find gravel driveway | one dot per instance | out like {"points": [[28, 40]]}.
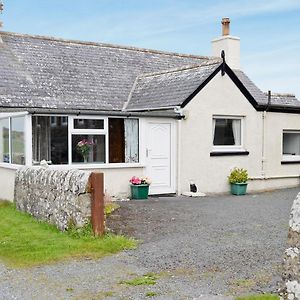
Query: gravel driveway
{"points": [[195, 246]]}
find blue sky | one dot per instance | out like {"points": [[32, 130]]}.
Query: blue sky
{"points": [[269, 29]]}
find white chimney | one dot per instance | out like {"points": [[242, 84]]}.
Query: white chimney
{"points": [[230, 45]]}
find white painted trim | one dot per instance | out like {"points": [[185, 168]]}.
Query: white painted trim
{"points": [[9, 140], [13, 114], [10, 166], [70, 120], [28, 140]]}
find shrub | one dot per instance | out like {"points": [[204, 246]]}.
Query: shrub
{"points": [[238, 175]]}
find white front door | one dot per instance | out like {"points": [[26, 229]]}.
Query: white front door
{"points": [[160, 155]]}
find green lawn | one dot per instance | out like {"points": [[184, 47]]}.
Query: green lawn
{"points": [[259, 297], [26, 242]]}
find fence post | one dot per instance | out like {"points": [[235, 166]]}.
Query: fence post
{"points": [[97, 203]]}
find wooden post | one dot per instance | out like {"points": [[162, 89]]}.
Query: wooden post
{"points": [[97, 205]]}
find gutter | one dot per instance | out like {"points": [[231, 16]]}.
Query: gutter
{"points": [[161, 114]]}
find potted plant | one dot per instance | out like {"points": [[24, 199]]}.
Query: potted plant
{"points": [[139, 187], [84, 147], [238, 181]]}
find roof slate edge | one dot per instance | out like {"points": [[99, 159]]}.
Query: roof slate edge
{"points": [[104, 45]]}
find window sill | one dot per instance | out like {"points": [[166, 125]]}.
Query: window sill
{"points": [[290, 162], [10, 166], [97, 166], [228, 153]]}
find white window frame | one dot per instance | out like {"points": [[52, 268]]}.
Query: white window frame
{"points": [[27, 139], [288, 157], [73, 131], [70, 122], [228, 148]]}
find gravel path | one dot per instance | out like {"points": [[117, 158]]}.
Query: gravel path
{"points": [[222, 245]]}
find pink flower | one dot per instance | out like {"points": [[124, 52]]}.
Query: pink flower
{"points": [[136, 180]]}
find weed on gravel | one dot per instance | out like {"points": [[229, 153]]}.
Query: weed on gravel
{"points": [[147, 279], [26, 242], [259, 297]]}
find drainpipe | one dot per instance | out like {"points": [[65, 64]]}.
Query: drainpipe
{"points": [[179, 122], [264, 121]]}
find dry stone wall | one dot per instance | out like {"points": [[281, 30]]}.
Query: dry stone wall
{"points": [[291, 264], [60, 197]]}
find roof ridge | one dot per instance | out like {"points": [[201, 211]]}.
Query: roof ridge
{"points": [[184, 68], [105, 45]]}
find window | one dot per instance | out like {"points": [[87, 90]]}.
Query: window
{"points": [[49, 140], [18, 141], [123, 140], [98, 140], [88, 140], [88, 124], [12, 140], [95, 145], [4, 140], [227, 133], [291, 145]]}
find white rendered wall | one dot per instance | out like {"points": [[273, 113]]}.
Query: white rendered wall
{"points": [[116, 181], [7, 183], [222, 97]]}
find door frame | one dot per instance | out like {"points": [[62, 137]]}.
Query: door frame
{"points": [[173, 149]]}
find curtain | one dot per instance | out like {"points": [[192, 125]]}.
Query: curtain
{"points": [[131, 127], [236, 129]]}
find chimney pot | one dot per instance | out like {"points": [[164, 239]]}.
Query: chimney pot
{"points": [[225, 26]]}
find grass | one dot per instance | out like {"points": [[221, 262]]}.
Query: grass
{"points": [[147, 279], [26, 242], [259, 297]]}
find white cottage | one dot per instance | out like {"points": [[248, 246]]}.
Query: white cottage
{"points": [[170, 116]]}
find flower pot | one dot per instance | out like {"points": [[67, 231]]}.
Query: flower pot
{"points": [[139, 191], [238, 188]]}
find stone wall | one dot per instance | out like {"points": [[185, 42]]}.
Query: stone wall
{"points": [[60, 197], [291, 264]]}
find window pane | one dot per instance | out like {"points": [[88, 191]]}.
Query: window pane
{"points": [[92, 148], [116, 141], [131, 140], [227, 132], [123, 140], [4, 140], [50, 140], [88, 124], [291, 143], [18, 140]]}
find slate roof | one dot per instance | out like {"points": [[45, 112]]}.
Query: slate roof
{"points": [[261, 98], [169, 88], [51, 73], [45, 74], [284, 100]]}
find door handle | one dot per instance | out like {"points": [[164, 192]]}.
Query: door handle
{"points": [[147, 152]]}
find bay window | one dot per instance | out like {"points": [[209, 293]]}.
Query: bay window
{"points": [[92, 140]]}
